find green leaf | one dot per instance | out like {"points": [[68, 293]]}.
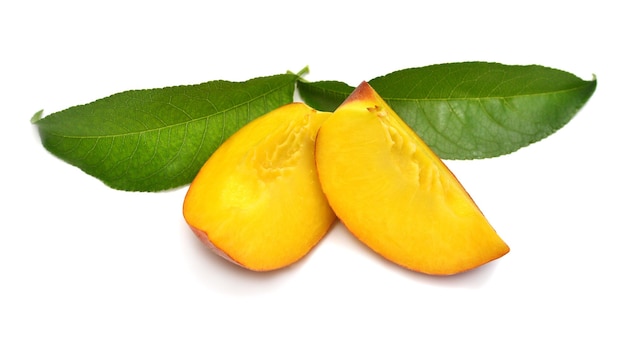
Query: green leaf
{"points": [[158, 139], [475, 109], [325, 95]]}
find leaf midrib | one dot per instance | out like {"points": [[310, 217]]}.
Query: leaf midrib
{"points": [[486, 98], [165, 127]]}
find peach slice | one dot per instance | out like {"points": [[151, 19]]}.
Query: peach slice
{"points": [[395, 195], [257, 201]]}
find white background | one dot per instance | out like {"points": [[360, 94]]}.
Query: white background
{"points": [[82, 264]]}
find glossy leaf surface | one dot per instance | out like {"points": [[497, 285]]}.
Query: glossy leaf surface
{"points": [[472, 110], [157, 139]]}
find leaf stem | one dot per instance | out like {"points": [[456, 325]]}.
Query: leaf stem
{"points": [[301, 73]]}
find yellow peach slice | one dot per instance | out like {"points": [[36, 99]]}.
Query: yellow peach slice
{"points": [[395, 195], [257, 201]]}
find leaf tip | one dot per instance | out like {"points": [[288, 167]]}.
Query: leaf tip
{"points": [[36, 117]]}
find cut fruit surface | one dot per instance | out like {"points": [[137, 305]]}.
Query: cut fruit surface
{"points": [[257, 201], [395, 195]]}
